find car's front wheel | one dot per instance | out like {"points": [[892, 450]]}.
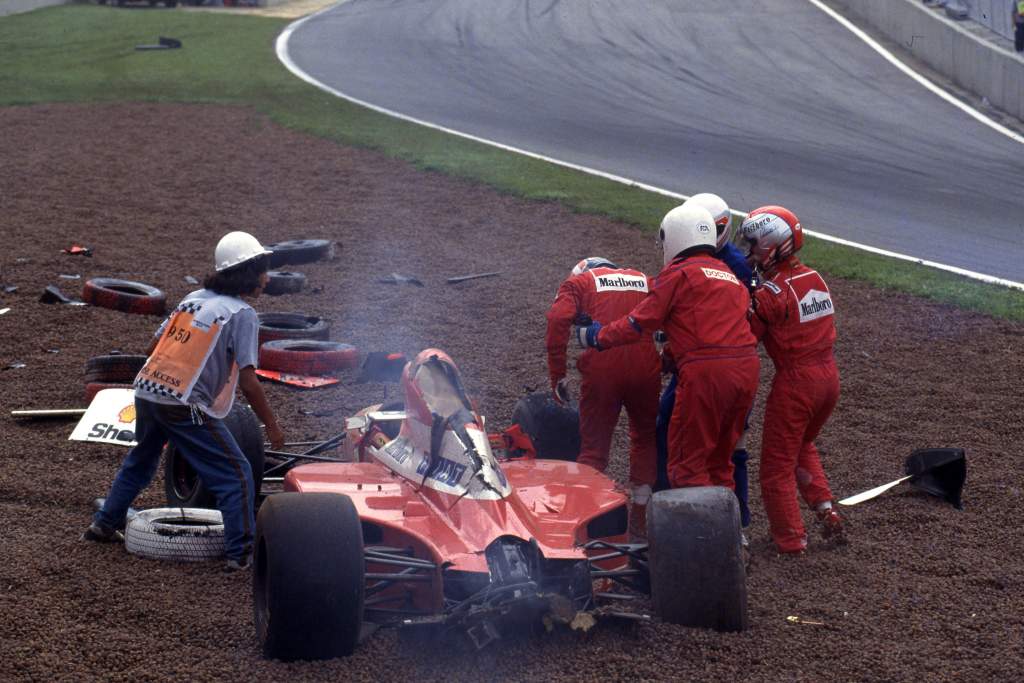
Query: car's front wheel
{"points": [[308, 576], [698, 577]]}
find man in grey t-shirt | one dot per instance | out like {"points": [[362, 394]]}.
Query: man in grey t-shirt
{"points": [[200, 354]]}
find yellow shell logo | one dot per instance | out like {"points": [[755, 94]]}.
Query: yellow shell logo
{"points": [[127, 414]]}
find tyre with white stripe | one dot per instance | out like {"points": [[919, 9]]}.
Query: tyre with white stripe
{"points": [[176, 534]]}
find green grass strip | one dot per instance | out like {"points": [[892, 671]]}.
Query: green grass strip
{"points": [[86, 54]]}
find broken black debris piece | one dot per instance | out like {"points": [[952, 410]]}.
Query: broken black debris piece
{"points": [[381, 366], [53, 295]]}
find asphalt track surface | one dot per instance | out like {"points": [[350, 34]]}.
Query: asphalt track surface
{"points": [[766, 101]]}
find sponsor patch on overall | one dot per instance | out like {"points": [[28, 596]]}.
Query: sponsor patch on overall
{"points": [[620, 282], [772, 287], [814, 305], [715, 274]]}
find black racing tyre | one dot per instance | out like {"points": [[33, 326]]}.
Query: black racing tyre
{"points": [[284, 282], [554, 429], [298, 251], [697, 573], [308, 576], [182, 486], [275, 326], [93, 388], [176, 534], [124, 295], [114, 368], [307, 356]]}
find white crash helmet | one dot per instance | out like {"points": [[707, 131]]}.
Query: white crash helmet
{"points": [[686, 226], [236, 248], [590, 263], [772, 235], [719, 211]]}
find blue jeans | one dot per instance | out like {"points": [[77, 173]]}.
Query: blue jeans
{"points": [[211, 451], [739, 456]]}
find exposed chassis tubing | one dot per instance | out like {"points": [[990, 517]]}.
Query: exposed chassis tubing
{"points": [[333, 442], [311, 454], [493, 598]]}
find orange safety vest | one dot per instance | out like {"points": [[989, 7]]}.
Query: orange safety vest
{"points": [[179, 357]]}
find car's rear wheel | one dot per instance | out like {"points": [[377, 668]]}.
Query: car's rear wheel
{"points": [[697, 573], [308, 576], [182, 486]]}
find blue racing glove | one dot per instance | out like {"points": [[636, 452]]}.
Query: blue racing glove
{"points": [[586, 335]]}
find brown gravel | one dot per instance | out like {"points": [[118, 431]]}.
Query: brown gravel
{"points": [[923, 592]]}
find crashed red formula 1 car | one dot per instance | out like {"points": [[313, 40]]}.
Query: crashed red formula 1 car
{"points": [[425, 525]]}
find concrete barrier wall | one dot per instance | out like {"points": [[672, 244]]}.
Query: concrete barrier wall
{"points": [[995, 14], [970, 62]]}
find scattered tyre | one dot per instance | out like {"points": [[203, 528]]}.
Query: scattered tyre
{"points": [[307, 356], [298, 251], [284, 282], [177, 534], [116, 368], [93, 388], [697, 573], [182, 486], [124, 295], [292, 326], [554, 429], [308, 576]]}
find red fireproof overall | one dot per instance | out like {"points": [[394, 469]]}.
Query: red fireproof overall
{"points": [[702, 308], [794, 318], [628, 376]]}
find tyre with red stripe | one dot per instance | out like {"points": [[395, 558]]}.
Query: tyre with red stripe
{"points": [[124, 295], [115, 368], [292, 326], [93, 388], [307, 356]]}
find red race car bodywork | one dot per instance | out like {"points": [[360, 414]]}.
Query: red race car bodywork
{"points": [[423, 524]]}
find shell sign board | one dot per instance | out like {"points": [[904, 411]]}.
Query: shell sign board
{"points": [[110, 418]]}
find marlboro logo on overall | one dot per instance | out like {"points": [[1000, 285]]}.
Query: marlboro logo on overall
{"points": [[620, 282], [179, 357]]}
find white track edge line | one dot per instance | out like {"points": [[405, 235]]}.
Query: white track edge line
{"points": [[281, 48], [895, 61]]}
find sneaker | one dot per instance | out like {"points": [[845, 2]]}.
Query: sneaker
{"points": [[831, 525], [101, 534], [236, 565]]}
